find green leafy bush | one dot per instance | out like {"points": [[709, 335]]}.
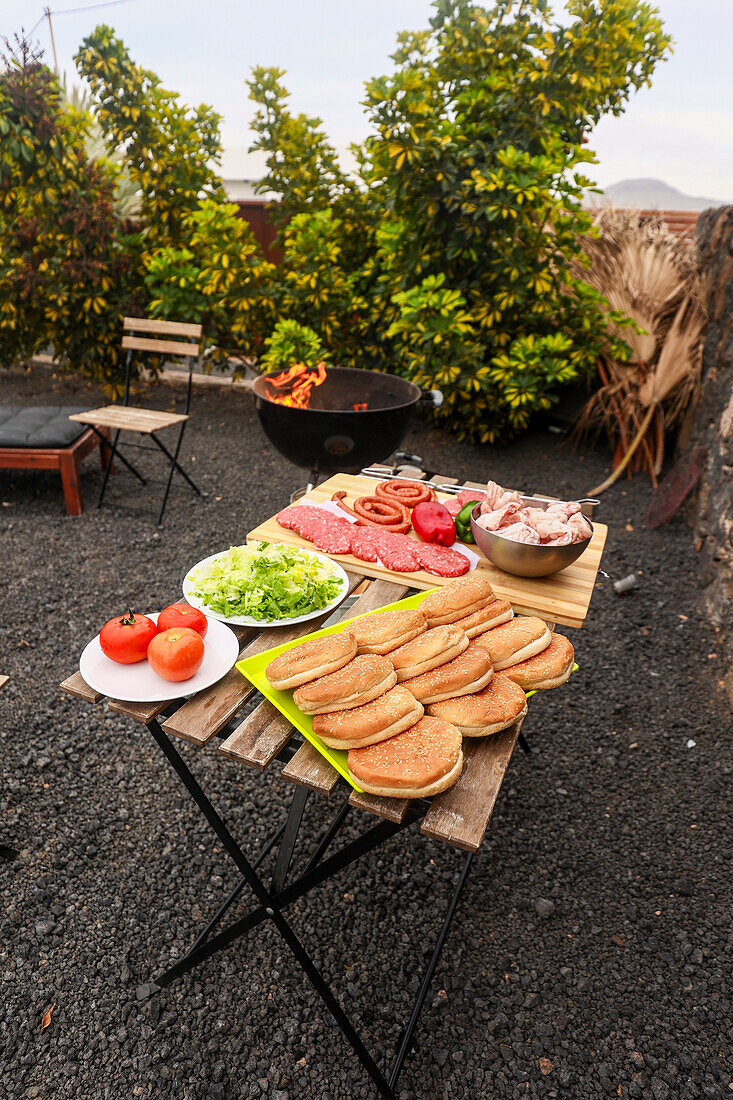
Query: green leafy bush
{"points": [[67, 264], [292, 343], [219, 280], [468, 209]]}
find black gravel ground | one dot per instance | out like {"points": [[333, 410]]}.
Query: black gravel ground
{"points": [[591, 953]]}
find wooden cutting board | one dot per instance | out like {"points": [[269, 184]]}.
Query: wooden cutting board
{"points": [[563, 598]]}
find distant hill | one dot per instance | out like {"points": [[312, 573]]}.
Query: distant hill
{"points": [[649, 194]]}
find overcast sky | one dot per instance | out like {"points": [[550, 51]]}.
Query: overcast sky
{"points": [[680, 130]]}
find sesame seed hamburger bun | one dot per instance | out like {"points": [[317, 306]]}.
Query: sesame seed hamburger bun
{"points": [[421, 762], [494, 614], [457, 600], [311, 659], [358, 682], [547, 669], [469, 671], [386, 716], [429, 650], [498, 706], [385, 631], [515, 641]]}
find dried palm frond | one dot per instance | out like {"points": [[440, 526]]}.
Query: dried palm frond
{"points": [[646, 273]]}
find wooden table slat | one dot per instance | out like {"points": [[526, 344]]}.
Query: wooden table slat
{"points": [[460, 815], [392, 809], [201, 717], [77, 686], [310, 769], [141, 712], [259, 738], [3, 681]]}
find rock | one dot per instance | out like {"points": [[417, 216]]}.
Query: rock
{"points": [[685, 886], [712, 427], [544, 908], [660, 1088]]}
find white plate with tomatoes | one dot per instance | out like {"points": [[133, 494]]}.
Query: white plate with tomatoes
{"points": [[138, 682]]}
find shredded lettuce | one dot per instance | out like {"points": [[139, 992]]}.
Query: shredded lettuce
{"points": [[266, 582]]}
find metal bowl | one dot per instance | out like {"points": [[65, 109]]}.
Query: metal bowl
{"points": [[521, 558]]}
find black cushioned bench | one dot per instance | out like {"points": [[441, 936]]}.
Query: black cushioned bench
{"points": [[42, 437]]}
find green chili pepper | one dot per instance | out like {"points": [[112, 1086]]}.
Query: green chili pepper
{"points": [[463, 522]]}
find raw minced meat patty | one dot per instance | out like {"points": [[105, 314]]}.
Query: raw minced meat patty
{"points": [[398, 552], [442, 560], [363, 542]]}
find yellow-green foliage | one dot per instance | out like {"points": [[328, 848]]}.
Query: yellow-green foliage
{"points": [[65, 260], [170, 148], [219, 279]]}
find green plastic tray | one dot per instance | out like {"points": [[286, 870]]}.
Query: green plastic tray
{"points": [[253, 669]]}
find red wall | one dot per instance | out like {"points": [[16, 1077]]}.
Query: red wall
{"points": [[254, 211]]}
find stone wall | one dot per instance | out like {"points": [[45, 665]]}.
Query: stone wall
{"points": [[713, 428]]}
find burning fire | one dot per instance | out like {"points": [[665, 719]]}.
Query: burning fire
{"points": [[360, 406], [294, 387]]}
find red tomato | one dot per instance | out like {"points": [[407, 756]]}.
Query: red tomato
{"points": [[182, 614], [176, 654], [126, 638]]}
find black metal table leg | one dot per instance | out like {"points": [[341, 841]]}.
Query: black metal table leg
{"points": [[425, 984], [290, 835], [273, 901], [266, 899], [353, 851], [328, 836], [524, 744], [232, 897]]}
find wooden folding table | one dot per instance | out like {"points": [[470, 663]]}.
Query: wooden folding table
{"points": [[458, 817]]}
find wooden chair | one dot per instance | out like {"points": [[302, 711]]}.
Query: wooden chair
{"points": [[168, 338]]}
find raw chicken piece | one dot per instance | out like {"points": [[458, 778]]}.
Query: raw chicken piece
{"points": [[550, 529], [580, 527], [564, 508], [520, 532], [500, 517], [493, 493]]}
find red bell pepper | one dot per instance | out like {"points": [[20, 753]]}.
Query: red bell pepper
{"points": [[434, 523]]}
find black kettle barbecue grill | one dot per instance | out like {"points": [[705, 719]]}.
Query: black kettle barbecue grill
{"points": [[355, 418]]}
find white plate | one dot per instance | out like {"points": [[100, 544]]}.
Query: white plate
{"points": [[139, 684], [246, 620]]}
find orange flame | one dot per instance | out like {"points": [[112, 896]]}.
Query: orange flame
{"points": [[360, 406], [294, 387]]}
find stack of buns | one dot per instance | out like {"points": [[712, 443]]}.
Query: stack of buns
{"points": [[400, 689]]}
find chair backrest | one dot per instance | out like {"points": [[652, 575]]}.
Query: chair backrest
{"points": [[162, 338], [159, 341]]}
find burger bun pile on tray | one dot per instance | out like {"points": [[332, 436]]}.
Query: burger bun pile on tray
{"points": [[400, 689]]}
